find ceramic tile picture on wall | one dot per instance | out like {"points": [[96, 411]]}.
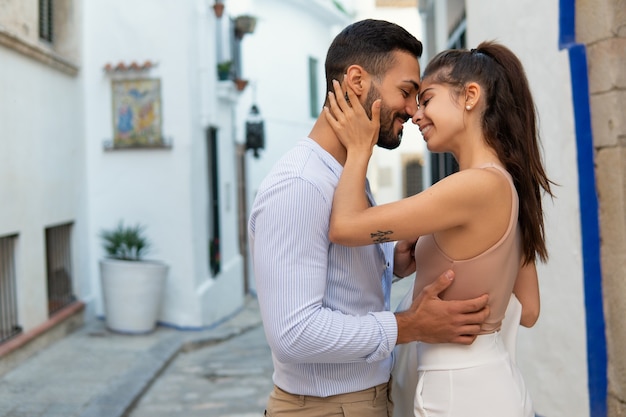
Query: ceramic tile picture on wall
{"points": [[137, 113]]}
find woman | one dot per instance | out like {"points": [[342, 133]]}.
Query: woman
{"points": [[485, 222]]}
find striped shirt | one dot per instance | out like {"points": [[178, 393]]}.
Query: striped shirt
{"points": [[325, 307]]}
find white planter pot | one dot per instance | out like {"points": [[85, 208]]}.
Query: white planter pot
{"points": [[132, 292]]}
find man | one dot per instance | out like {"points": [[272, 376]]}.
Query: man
{"points": [[325, 307]]}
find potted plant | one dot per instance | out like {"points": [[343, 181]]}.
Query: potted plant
{"points": [[218, 8], [244, 24], [132, 287], [240, 84], [223, 70]]}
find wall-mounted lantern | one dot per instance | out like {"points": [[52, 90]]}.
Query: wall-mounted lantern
{"points": [[255, 133]]}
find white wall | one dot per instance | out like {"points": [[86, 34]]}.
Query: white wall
{"points": [[383, 161], [41, 171], [276, 62], [552, 354], [165, 189]]}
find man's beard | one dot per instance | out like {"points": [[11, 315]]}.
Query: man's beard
{"points": [[386, 138]]}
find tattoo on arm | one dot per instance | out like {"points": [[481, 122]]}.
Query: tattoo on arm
{"points": [[380, 236]]}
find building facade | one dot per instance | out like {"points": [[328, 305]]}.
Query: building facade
{"points": [[573, 53], [42, 171], [115, 111], [73, 72], [152, 67]]}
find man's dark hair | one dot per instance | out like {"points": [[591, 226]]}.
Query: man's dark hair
{"points": [[370, 44]]}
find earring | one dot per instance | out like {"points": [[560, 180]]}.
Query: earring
{"points": [[468, 107]]}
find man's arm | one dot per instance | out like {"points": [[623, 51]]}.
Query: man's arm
{"points": [[290, 254], [433, 320]]}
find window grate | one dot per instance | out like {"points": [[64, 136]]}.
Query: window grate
{"points": [[8, 296], [442, 165], [413, 178], [59, 264], [46, 20]]}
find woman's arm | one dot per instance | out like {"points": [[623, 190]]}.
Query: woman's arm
{"points": [[452, 202], [358, 134], [526, 290]]}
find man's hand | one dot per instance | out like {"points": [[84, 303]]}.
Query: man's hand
{"points": [[432, 320], [404, 258]]}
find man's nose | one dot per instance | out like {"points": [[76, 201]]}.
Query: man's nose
{"points": [[412, 107]]}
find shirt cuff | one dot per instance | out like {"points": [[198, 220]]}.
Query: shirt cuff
{"points": [[388, 327]]}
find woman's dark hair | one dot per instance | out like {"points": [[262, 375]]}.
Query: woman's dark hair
{"points": [[368, 43], [509, 125]]}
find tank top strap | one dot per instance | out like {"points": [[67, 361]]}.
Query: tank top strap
{"points": [[500, 168]]}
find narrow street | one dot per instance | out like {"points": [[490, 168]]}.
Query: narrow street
{"points": [[229, 379]]}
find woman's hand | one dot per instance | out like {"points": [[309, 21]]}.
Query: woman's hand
{"points": [[404, 258], [353, 127]]}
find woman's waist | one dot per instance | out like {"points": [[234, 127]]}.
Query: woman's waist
{"points": [[486, 348]]}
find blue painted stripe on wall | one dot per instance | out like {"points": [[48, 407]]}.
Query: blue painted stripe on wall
{"points": [[567, 23], [594, 313], [596, 340]]}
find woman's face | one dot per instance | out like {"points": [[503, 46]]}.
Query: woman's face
{"points": [[440, 116]]}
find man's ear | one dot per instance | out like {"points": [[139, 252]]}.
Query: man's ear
{"points": [[357, 79]]}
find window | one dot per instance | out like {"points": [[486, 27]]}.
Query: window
{"points": [[457, 38], [444, 164], [59, 266], [228, 48], [412, 177], [314, 105], [46, 14], [8, 298], [214, 201]]}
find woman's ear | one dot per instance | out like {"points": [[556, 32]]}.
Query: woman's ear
{"points": [[472, 95], [356, 78]]}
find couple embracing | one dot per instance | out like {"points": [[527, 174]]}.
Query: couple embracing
{"points": [[324, 254]]}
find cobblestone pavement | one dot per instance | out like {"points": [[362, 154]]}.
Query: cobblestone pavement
{"points": [[230, 379], [94, 372]]}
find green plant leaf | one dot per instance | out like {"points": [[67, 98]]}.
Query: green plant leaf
{"points": [[127, 243]]}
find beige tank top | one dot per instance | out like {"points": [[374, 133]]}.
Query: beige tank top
{"points": [[492, 272]]}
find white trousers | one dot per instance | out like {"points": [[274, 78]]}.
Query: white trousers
{"points": [[449, 380]]}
